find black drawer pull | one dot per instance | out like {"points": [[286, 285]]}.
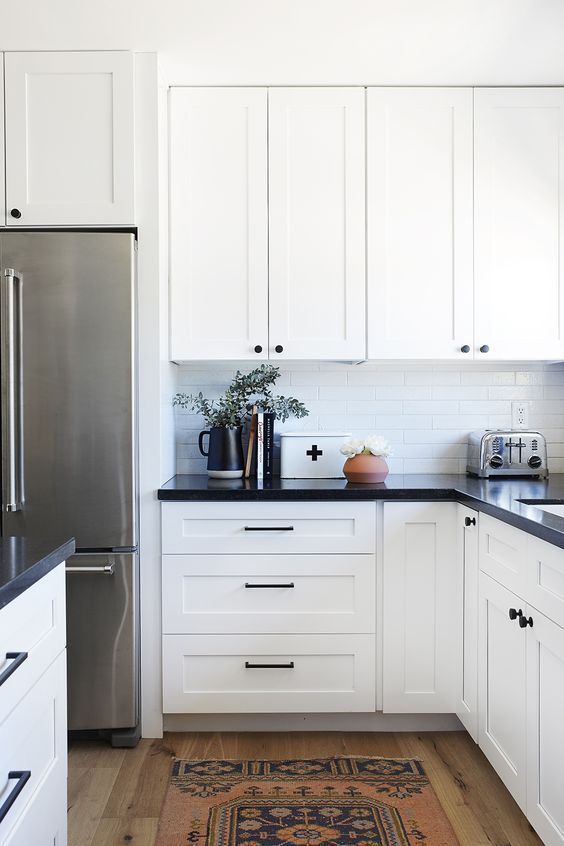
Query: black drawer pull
{"points": [[19, 658], [22, 777], [269, 528], [249, 666], [289, 585]]}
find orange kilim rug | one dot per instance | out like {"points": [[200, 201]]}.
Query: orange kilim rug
{"points": [[345, 801]]}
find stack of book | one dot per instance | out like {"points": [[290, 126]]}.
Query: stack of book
{"points": [[261, 443]]}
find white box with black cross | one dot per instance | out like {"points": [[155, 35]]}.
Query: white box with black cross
{"points": [[312, 455]]}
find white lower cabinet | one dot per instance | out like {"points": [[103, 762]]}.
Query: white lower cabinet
{"points": [[269, 607], [467, 620], [521, 671], [502, 690], [419, 626], [33, 716], [545, 727], [268, 673], [34, 740]]}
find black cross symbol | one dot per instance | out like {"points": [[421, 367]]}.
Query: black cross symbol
{"points": [[314, 452]]}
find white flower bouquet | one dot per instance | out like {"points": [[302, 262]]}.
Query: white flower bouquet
{"points": [[371, 445]]}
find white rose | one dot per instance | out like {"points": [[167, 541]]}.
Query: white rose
{"points": [[352, 448], [378, 445]]}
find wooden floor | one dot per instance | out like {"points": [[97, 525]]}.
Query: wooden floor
{"points": [[116, 795]]}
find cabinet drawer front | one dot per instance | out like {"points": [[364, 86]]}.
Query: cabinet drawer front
{"points": [[545, 579], [33, 623], [268, 593], [313, 673], [33, 738], [272, 527], [503, 553]]}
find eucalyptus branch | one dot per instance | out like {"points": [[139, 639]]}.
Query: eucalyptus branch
{"points": [[245, 391]]}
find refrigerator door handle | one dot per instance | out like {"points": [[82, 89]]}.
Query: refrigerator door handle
{"points": [[11, 380], [106, 569]]}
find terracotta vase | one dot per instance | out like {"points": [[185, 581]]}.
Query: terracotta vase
{"points": [[366, 469]]}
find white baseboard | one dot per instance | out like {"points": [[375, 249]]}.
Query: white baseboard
{"points": [[312, 722]]}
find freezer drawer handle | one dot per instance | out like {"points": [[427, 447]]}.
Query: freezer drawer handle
{"points": [[23, 777], [106, 569], [250, 585], [269, 528], [288, 666], [12, 390], [17, 660]]}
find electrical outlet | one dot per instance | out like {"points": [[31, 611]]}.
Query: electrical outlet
{"points": [[520, 415]]}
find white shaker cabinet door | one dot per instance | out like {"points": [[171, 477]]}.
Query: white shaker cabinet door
{"points": [[69, 138], [467, 620], [419, 630], [519, 190], [317, 223], [545, 727], [218, 223], [2, 159], [419, 225], [502, 683]]}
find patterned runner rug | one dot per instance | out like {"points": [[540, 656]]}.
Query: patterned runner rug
{"points": [[323, 802]]}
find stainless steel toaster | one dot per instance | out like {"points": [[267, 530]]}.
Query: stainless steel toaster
{"points": [[501, 452]]}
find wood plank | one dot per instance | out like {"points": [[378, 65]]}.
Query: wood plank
{"points": [[89, 790], [134, 832]]}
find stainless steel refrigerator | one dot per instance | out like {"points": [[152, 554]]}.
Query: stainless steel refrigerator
{"points": [[68, 409]]}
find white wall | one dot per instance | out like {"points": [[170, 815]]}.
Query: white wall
{"points": [[457, 42], [425, 409]]}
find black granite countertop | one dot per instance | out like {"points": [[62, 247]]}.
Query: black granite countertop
{"points": [[502, 498], [23, 562]]}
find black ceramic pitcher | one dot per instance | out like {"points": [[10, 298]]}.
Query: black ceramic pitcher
{"points": [[225, 451]]}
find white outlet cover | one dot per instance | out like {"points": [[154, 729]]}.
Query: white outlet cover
{"points": [[520, 414]]}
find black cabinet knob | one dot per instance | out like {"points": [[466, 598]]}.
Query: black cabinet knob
{"points": [[469, 521], [484, 348], [465, 348], [258, 348], [525, 621], [278, 348], [15, 213], [513, 614]]}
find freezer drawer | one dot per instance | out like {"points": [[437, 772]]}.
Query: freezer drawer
{"points": [[102, 636]]}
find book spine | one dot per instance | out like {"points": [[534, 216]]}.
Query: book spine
{"points": [[260, 445], [268, 444]]}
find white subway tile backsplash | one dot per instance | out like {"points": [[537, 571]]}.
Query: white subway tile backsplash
{"points": [[425, 409], [431, 407], [374, 407], [484, 377], [446, 377], [319, 377], [352, 392]]}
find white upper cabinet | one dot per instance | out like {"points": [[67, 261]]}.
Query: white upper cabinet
{"points": [[519, 189], [2, 158], [69, 138], [317, 223], [419, 226], [218, 223]]}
